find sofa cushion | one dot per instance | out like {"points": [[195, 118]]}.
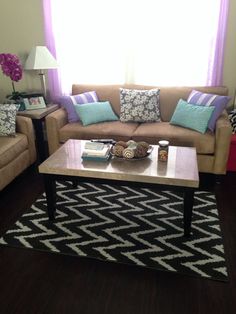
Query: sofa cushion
{"points": [[95, 112], [68, 102], [8, 119], [11, 147], [176, 135], [192, 116], [115, 130], [218, 102], [139, 105]]}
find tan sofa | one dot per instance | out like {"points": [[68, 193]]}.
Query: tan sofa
{"points": [[212, 149], [17, 153]]}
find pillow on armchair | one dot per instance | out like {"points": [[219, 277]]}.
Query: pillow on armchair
{"points": [[8, 119]]}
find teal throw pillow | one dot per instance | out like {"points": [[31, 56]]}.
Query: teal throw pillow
{"points": [[95, 112], [192, 116]]}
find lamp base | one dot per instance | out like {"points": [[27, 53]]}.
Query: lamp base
{"points": [[43, 85]]}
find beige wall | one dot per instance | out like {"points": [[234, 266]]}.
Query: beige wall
{"points": [[21, 28]]}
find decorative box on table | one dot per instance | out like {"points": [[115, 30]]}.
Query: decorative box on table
{"points": [[231, 165]]}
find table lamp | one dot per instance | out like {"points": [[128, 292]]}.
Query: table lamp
{"points": [[41, 59]]}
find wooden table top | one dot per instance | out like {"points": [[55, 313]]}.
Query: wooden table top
{"points": [[181, 169], [38, 113]]}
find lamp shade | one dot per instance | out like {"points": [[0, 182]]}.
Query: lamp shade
{"points": [[40, 58]]}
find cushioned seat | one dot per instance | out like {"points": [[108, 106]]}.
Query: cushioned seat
{"points": [[115, 130], [17, 152], [153, 132], [11, 147]]}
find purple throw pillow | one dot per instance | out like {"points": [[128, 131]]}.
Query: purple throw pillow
{"points": [[219, 102], [68, 102]]}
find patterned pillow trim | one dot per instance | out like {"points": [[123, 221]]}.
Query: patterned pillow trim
{"points": [[8, 119]]}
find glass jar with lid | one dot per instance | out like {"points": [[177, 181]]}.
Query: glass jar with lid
{"points": [[163, 150]]}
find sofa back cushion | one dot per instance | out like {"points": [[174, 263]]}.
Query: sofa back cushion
{"points": [[169, 96]]}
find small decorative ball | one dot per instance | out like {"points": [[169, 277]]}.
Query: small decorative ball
{"points": [[144, 144], [140, 151], [130, 142], [128, 153], [118, 150], [132, 145], [122, 143]]}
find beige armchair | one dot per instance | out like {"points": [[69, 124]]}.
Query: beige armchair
{"points": [[17, 153]]}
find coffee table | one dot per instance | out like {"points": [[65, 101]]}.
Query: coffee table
{"points": [[180, 172]]}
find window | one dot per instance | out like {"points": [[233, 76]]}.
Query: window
{"points": [[152, 42]]}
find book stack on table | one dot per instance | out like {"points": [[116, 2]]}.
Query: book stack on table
{"points": [[96, 151]]}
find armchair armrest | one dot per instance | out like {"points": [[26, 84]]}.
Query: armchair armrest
{"points": [[223, 137], [24, 125], [54, 122]]}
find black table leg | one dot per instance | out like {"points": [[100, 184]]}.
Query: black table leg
{"points": [[188, 209], [38, 127], [50, 191]]}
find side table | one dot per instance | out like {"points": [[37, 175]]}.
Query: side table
{"points": [[38, 117]]}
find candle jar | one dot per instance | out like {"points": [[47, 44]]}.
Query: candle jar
{"points": [[163, 150]]}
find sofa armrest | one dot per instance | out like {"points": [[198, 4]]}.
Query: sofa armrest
{"points": [[24, 125], [223, 137], [54, 122]]}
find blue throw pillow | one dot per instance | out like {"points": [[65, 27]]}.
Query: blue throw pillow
{"points": [[95, 112], [192, 116]]}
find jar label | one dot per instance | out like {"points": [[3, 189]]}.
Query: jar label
{"points": [[163, 155]]}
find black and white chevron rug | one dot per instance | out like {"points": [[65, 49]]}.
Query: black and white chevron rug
{"points": [[136, 226]]}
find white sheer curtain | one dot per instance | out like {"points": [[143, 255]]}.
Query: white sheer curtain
{"points": [[153, 42]]}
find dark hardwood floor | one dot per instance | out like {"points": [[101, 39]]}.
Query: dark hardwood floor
{"points": [[40, 282]]}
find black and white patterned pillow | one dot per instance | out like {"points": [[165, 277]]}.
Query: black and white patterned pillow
{"points": [[8, 119], [232, 119], [139, 105]]}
